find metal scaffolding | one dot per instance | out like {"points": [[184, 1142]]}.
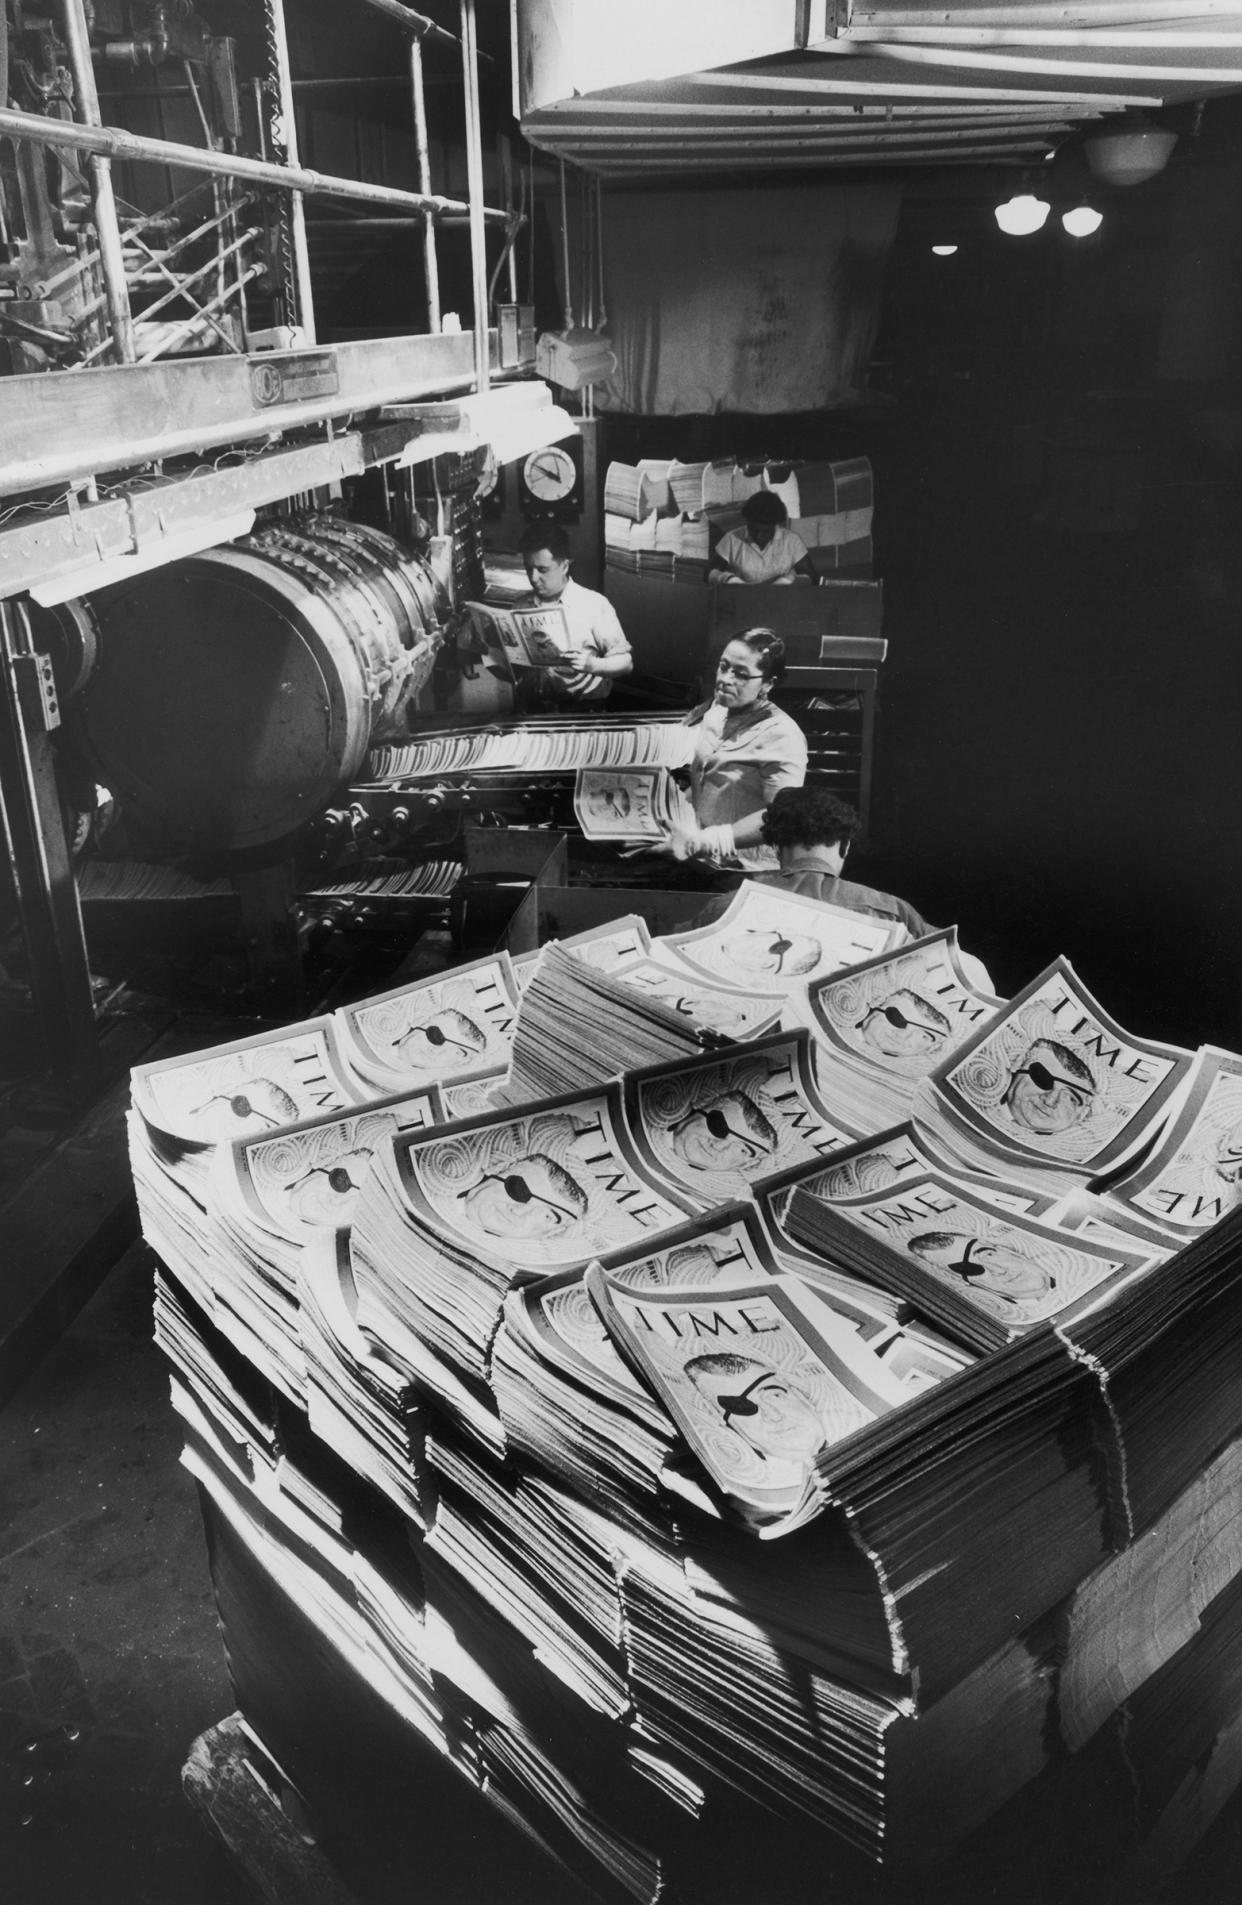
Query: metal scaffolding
{"points": [[146, 284]]}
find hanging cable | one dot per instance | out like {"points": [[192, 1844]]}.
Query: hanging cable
{"points": [[568, 310], [530, 259], [514, 226], [599, 250]]}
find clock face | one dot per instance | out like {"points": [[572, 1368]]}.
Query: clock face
{"points": [[550, 474]]}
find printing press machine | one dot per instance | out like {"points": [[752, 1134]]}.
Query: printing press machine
{"points": [[288, 778]]}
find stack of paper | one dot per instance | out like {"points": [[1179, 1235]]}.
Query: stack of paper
{"points": [[986, 1275], [555, 743], [447, 1224], [630, 805], [629, 1026], [686, 483], [729, 1011], [1051, 1084], [635, 492], [783, 941], [883, 1025], [803, 1437], [710, 1126]]}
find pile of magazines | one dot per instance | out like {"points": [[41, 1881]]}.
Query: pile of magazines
{"points": [[735, 1395], [553, 743]]}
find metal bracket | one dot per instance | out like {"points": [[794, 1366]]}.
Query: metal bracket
{"points": [[36, 692]]}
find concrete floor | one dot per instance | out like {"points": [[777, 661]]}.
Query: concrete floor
{"points": [[110, 1658]]}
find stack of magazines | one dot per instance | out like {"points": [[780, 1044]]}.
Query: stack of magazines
{"points": [[660, 518], [730, 1447], [629, 1024], [556, 743], [633, 806]]}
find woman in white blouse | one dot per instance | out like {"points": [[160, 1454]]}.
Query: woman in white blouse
{"points": [[764, 549], [745, 749]]}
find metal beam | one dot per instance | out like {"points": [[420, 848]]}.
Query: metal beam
{"points": [[68, 426], [115, 143], [953, 154], [1148, 72], [926, 100], [103, 199], [416, 23], [779, 138], [1108, 40], [63, 542], [843, 88], [286, 135], [860, 149], [474, 186], [1082, 16], [431, 262]]}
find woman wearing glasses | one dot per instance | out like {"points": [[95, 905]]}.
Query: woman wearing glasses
{"points": [[745, 751]]}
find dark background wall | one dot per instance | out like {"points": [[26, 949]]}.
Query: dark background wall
{"points": [[1057, 442]]}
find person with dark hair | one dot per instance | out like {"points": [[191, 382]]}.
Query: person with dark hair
{"points": [[764, 549], [598, 651], [812, 830], [745, 751]]}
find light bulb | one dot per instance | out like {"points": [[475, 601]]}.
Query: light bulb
{"points": [[1082, 220], [944, 251], [1022, 215]]}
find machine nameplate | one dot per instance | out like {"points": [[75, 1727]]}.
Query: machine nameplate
{"points": [[298, 378]]}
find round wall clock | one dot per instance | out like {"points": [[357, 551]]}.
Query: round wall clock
{"points": [[551, 480]]}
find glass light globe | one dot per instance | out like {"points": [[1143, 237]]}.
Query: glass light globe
{"points": [[1022, 214], [1082, 220]]}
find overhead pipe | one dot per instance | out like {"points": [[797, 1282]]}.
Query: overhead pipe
{"points": [[474, 187], [103, 198], [431, 263], [114, 143], [417, 23]]}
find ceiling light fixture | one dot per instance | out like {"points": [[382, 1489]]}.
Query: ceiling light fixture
{"points": [[1081, 221], [1021, 215], [1130, 156], [944, 251]]}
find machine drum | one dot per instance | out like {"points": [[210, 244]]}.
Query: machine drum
{"points": [[237, 690]]}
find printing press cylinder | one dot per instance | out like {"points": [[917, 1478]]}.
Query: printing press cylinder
{"points": [[237, 691]]}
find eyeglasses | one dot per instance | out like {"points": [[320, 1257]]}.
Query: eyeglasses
{"points": [[1044, 1080], [739, 674]]}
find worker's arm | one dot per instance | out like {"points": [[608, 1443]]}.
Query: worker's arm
{"points": [[585, 661]]}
